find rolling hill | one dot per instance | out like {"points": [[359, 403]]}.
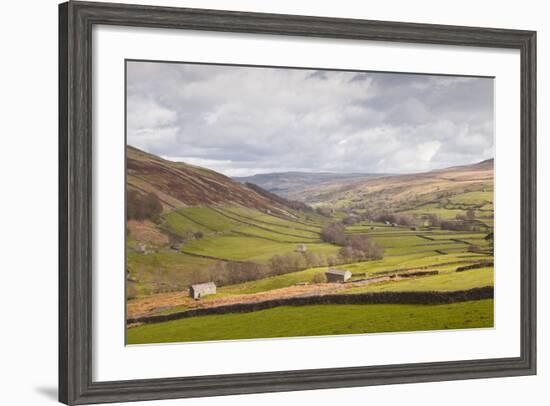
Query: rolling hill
{"points": [[180, 185], [258, 246], [292, 183], [401, 192]]}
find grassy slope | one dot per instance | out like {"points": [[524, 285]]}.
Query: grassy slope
{"points": [[174, 270], [317, 320], [242, 248], [176, 223], [181, 185], [373, 267], [444, 282], [404, 248], [262, 234], [233, 232], [402, 192]]}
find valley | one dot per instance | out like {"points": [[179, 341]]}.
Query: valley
{"points": [[401, 237]]}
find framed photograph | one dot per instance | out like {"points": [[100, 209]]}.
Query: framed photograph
{"points": [[258, 202]]}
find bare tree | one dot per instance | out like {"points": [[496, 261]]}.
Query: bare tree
{"points": [[334, 233]]}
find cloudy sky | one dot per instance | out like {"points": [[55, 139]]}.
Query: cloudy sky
{"points": [[244, 120]]}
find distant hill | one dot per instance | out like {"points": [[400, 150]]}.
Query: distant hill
{"points": [[396, 192], [178, 184], [488, 164], [288, 183]]}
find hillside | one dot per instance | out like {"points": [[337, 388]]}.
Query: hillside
{"points": [[259, 247], [179, 185], [401, 192], [292, 183]]}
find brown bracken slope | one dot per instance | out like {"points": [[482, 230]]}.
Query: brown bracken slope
{"points": [[181, 185]]}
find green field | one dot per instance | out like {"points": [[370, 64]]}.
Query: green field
{"points": [[274, 235], [288, 321], [264, 219], [242, 234], [228, 234], [251, 235], [237, 247], [188, 225], [176, 223], [444, 282], [171, 270], [463, 280], [473, 198]]}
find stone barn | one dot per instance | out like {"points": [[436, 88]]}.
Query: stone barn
{"points": [[337, 275], [202, 289], [301, 248]]}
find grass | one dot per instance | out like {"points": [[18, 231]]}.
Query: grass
{"points": [[401, 241], [444, 213], [450, 206], [210, 218], [442, 248], [416, 260], [370, 267], [165, 267], [266, 219], [274, 282], [243, 248], [447, 235], [264, 236], [443, 282], [209, 221], [277, 231], [274, 235], [476, 197], [288, 321], [177, 224]]}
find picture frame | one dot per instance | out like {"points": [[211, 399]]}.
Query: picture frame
{"points": [[76, 20]]}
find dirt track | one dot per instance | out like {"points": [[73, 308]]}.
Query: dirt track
{"points": [[164, 301]]}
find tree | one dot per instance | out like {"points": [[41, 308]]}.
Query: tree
{"points": [[360, 242], [360, 248], [401, 219], [346, 253], [334, 233], [350, 220], [433, 220], [313, 259], [332, 260], [285, 263], [143, 207], [276, 262]]}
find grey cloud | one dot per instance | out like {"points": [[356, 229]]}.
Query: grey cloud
{"points": [[245, 120]]}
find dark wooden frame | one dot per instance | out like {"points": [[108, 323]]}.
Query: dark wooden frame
{"points": [[76, 20]]}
